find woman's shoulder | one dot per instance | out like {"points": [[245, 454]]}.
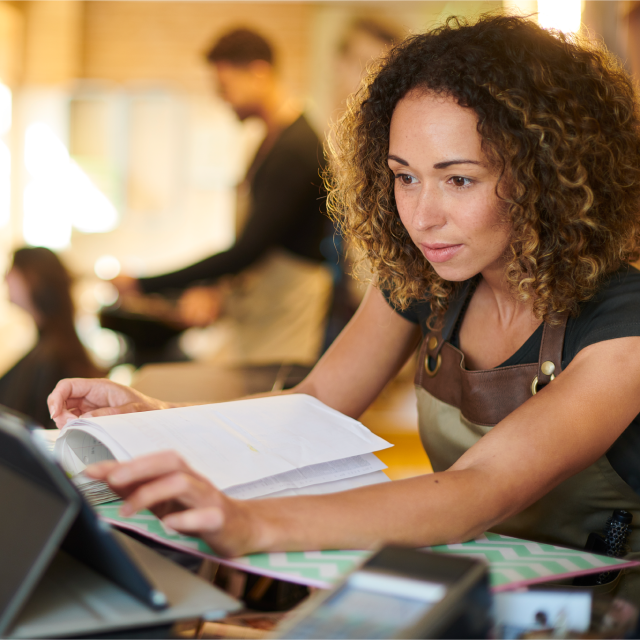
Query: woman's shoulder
{"points": [[612, 313], [619, 294], [418, 311]]}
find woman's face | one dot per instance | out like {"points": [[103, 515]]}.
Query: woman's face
{"points": [[444, 187], [19, 290]]}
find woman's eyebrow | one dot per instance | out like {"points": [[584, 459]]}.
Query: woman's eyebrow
{"points": [[438, 165], [448, 163], [398, 160]]}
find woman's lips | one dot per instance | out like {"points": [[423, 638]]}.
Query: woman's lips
{"points": [[439, 252]]}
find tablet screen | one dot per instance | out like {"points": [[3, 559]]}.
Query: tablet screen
{"points": [[35, 517], [40, 493]]}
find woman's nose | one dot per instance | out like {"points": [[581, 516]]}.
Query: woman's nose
{"points": [[429, 211]]}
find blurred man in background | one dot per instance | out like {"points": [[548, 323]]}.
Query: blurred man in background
{"points": [[268, 295]]}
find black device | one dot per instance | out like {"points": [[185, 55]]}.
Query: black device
{"points": [[401, 593], [43, 512], [612, 543]]}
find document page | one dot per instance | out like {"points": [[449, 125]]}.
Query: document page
{"points": [[335, 486], [307, 476], [232, 443]]}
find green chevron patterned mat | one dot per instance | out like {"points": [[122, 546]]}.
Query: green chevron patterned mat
{"points": [[513, 562]]}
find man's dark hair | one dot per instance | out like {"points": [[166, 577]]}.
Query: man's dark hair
{"points": [[241, 47]]}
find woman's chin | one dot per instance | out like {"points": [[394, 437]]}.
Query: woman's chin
{"points": [[457, 273]]}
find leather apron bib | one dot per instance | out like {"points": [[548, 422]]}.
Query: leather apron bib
{"points": [[456, 407]]}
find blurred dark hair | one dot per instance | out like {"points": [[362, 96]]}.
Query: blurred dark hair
{"points": [[389, 34], [559, 119], [49, 285], [240, 47]]}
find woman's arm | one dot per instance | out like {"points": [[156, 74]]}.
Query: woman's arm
{"points": [[367, 354], [552, 436]]}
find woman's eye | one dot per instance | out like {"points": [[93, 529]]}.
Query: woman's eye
{"points": [[459, 181], [405, 179]]}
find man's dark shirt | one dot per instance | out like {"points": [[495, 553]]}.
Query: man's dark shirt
{"points": [[286, 211]]}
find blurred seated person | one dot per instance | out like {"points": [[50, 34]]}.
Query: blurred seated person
{"points": [[38, 283], [269, 293]]}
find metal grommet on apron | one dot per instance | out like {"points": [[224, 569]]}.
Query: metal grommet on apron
{"points": [[456, 407]]}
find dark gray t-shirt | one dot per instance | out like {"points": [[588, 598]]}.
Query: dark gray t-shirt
{"points": [[614, 312]]}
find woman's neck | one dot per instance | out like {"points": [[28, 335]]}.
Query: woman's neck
{"points": [[495, 325], [506, 309]]}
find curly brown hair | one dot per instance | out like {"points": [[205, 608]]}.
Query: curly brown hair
{"points": [[559, 118]]}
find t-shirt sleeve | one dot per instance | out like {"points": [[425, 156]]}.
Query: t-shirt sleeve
{"points": [[411, 313], [613, 313]]}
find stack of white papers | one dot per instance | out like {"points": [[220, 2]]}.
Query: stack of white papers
{"points": [[94, 491], [279, 445]]}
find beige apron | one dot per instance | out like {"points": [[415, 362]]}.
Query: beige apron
{"points": [[457, 407], [276, 311]]}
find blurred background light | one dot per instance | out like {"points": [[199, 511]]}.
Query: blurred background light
{"points": [[105, 345], [44, 153], [105, 294], [90, 209], [46, 221], [5, 109], [122, 374], [107, 267], [5, 184], [60, 195], [563, 15]]}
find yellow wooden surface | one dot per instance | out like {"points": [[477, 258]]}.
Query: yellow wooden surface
{"points": [[394, 417]]}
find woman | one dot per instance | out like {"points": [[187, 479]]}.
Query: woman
{"points": [[491, 173], [38, 283]]}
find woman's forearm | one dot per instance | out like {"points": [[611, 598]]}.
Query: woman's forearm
{"points": [[432, 509]]}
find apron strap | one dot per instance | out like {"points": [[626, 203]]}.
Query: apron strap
{"points": [[436, 338], [550, 359], [455, 308]]}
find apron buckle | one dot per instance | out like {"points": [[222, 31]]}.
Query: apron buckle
{"points": [[432, 372], [534, 384]]}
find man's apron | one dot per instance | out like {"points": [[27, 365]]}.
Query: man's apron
{"points": [[456, 407]]}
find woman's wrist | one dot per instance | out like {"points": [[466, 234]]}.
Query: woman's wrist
{"points": [[261, 525]]}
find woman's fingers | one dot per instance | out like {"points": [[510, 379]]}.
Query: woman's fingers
{"points": [[62, 399], [132, 407], [186, 501], [125, 478], [159, 482], [101, 470], [95, 397], [178, 488], [146, 468], [66, 416], [83, 393], [206, 520]]}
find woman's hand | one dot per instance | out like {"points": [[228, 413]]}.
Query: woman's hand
{"points": [[90, 397], [183, 499]]}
